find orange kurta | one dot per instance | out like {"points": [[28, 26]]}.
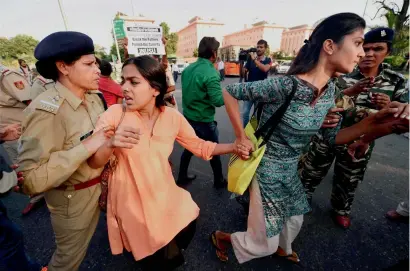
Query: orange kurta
{"points": [[146, 209]]}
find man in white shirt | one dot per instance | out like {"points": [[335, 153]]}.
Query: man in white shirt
{"points": [[221, 68], [175, 71]]}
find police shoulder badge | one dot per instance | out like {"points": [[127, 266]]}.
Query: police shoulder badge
{"points": [[383, 33], [19, 85]]}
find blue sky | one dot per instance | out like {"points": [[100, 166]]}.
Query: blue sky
{"points": [[93, 17]]}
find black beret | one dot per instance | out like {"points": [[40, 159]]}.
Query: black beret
{"points": [[60, 45], [381, 34]]}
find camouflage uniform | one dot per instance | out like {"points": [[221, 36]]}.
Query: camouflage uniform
{"points": [[348, 173]]}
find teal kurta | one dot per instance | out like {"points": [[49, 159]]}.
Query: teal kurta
{"points": [[281, 189]]}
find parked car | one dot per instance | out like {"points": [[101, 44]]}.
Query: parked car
{"points": [[181, 67], [284, 67]]}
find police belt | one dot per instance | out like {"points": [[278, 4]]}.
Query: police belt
{"points": [[80, 186]]}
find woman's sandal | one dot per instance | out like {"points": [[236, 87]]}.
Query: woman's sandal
{"points": [[222, 254], [292, 257]]}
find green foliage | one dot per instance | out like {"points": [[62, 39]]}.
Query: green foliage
{"points": [[397, 19], [278, 55], [101, 53], [401, 42], [195, 54], [20, 46], [395, 61], [172, 43], [267, 52], [165, 29], [172, 39], [113, 51]]}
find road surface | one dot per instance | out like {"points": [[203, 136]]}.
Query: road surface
{"points": [[372, 242]]}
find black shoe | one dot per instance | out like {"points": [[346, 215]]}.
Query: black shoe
{"points": [[222, 183], [186, 180]]}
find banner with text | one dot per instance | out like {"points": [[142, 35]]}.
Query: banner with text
{"points": [[144, 39]]}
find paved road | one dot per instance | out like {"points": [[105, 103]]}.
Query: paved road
{"points": [[372, 243]]}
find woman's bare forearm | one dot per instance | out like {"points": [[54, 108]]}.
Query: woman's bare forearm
{"points": [[101, 157], [232, 108], [221, 149]]}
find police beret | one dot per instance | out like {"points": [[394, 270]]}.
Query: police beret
{"points": [[63, 44], [381, 34]]}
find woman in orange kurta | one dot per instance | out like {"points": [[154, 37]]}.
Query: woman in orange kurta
{"points": [[147, 213]]}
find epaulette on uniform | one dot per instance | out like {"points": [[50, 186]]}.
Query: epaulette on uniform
{"points": [[48, 101], [7, 72]]}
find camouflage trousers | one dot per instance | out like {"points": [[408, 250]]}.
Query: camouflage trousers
{"points": [[315, 163]]}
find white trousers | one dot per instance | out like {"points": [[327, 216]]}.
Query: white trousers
{"points": [[403, 208], [254, 243]]}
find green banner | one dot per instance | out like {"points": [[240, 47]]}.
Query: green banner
{"points": [[119, 29]]}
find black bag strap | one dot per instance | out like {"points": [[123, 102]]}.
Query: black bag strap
{"points": [[103, 101], [277, 116]]}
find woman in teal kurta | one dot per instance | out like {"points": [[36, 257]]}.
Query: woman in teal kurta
{"points": [[277, 197], [281, 190]]}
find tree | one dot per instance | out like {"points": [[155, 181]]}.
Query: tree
{"points": [[172, 43], [401, 18], [100, 52], [195, 54], [20, 46], [278, 55], [267, 52], [172, 38], [398, 19], [113, 51], [165, 29]]}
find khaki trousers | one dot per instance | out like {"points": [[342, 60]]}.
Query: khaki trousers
{"points": [[74, 217]]}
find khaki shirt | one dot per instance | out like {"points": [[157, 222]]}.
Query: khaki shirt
{"points": [[170, 77], [50, 152], [40, 84], [14, 91]]}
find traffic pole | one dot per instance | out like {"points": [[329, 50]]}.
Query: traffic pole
{"points": [[133, 11], [116, 42], [62, 15], [365, 7]]}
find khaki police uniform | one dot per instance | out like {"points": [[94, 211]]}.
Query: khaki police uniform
{"points": [[169, 98], [51, 155], [14, 92], [40, 84]]}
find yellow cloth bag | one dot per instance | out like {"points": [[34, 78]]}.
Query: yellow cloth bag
{"points": [[241, 172]]}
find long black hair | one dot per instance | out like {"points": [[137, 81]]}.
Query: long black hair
{"points": [[48, 68], [335, 27], [153, 72]]}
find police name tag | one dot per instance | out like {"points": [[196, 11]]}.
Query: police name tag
{"points": [[86, 135]]}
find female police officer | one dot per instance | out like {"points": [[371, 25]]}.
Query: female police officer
{"points": [[57, 139]]}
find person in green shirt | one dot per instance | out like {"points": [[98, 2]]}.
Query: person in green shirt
{"points": [[201, 94]]}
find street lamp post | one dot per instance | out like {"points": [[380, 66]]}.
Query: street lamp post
{"points": [[116, 42], [133, 11], [365, 7], [62, 15]]}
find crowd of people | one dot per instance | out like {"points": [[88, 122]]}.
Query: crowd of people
{"points": [[85, 138]]}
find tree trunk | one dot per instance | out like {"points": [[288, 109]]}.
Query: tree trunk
{"points": [[402, 16]]}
